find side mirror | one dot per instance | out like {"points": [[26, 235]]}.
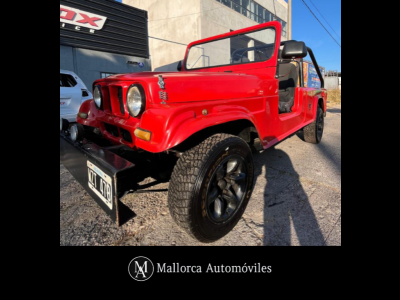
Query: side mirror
{"points": [[293, 49], [179, 68]]}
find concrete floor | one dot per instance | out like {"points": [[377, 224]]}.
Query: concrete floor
{"points": [[296, 201]]}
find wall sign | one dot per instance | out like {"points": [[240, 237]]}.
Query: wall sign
{"points": [[135, 63], [81, 18], [104, 26]]}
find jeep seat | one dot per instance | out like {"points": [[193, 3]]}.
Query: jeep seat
{"points": [[288, 78]]}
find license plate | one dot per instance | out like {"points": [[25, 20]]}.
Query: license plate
{"points": [[101, 184]]}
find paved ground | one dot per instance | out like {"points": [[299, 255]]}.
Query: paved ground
{"points": [[297, 201]]}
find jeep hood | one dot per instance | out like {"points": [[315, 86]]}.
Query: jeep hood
{"points": [[196, 86]]}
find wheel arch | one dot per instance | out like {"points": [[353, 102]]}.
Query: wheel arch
{"points": [[318, 102], [174, 126], [243, 128], [321, 103]]}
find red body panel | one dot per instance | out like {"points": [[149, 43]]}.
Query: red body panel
{"points": [[245, 92]]}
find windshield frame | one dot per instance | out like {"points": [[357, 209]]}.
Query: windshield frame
{"points": [[232, 34]]}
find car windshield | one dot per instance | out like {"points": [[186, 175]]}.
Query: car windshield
{"points": [[258, 46]]}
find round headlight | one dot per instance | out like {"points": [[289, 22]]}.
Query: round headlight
{"points": [[135, 100], [97, 96]]}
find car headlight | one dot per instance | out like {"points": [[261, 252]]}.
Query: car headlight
{"points": [[97, 97], [136, 100]]}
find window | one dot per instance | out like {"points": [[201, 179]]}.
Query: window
{"points": [[236, 5], [267, 16], [67, 80], [283, 28], [256, 46], [105, 75], [253, 11], [260, 13], [226, 2], [246, 8]]}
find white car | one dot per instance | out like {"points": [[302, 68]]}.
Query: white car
{"points": [[73, 92]]}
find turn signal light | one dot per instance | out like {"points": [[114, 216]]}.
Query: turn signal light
{"points": [[83, 115], [143, 134]]}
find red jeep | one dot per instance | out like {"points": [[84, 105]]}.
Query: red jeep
{"points": [[234, 94]]}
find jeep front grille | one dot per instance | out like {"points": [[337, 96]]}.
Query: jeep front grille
{"points": [[106, 99], [113, 99], [121, 100]]}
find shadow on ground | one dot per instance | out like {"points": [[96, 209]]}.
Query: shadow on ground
{"points": [[286, 205], [334, 110]]}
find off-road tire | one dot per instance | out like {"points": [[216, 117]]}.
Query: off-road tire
{"points": [[311, 134], [189, 181]]}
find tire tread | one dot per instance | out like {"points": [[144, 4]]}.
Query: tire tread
{"points": [[310, 131], [183, 181]]}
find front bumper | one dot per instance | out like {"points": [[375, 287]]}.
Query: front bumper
{"points": [[116, 129], [77, 157]]}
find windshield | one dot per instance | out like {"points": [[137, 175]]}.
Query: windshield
{"points": [[251, 47]]}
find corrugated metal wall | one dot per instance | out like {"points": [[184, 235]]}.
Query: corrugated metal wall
{"points": [[125, 31]]}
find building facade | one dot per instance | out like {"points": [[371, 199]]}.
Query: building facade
{"points": [[175, 23], [99, 38]]}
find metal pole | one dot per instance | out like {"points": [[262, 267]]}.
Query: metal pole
{"points": [[289, 23]]}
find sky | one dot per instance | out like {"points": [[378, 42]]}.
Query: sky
{"points": [[307, 29]]}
